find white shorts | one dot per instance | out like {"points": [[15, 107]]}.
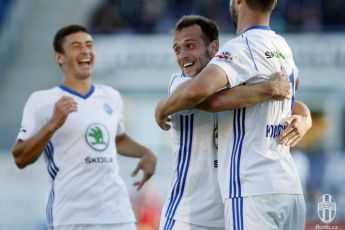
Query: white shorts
{"points": [[269, 212], [171, 224], [123, 226]]}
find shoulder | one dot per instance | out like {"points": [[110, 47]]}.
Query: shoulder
{"points": [[44, 95], [232, 48], [107, 90], [42, 98], [235, 44], [176, 80], [280, 38], [176, 76]]}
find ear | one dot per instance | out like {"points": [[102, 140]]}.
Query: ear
{"points": [[59, 58], [213, 48]]}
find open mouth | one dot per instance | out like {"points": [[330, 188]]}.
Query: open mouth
{"points": [[187, 65], [85, 62]]}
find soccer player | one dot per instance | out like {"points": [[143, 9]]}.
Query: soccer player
{"points": [[79, 126], [258, 178], [195, 201]]}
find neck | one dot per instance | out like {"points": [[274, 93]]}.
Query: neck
{"points": [[82, 86], [251, 18]]}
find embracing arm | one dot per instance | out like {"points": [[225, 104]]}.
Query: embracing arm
{"points": [[126, 146], [211, 79], [296, 125], [246, 95]]}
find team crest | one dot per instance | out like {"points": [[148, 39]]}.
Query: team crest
{"points": [[326, 208], [107, 108], [224, 57], [97, 137]]}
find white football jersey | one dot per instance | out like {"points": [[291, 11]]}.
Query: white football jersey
{"points": [[81, 156], [195, 196], [251, 160]]}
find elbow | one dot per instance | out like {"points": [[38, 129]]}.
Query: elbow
{"points": [[21, 164], [18, 159], [211, 106]]}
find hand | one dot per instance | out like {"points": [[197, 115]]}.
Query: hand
{"points": [[147, 163], [63, 107], [162, 120], [281, 87], [296, 127]]}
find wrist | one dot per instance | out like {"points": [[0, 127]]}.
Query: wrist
{"points": [[52, 126], [271, 88], [148, 154]]}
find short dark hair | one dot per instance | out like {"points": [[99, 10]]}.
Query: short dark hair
{"points": [[63, 32], [208, 27], [262, 5]]}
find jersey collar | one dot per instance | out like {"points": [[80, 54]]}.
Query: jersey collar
{"points": [[257, 27], [71, 91]]}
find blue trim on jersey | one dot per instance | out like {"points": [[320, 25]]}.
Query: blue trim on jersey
{"points": [[172, 81], [177, 185], [49, 208], [241, 211], [71, 91], [240, 151], [171, 223], [186, 141], [257, 27], [51, 166], [233, 151], [235, 161], [292, 80], [237, 213], [52, 170], [251, 54]]}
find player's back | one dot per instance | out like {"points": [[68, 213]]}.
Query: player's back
{"points": [[250, 159], [195, 196]]}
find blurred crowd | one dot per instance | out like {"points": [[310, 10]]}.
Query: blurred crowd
{"points": [[4, 8], [159, 16]]}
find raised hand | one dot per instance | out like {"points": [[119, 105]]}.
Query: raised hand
{"points": [[63, 107]]}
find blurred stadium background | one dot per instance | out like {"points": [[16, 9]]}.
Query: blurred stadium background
{"points": [[134, 55]]}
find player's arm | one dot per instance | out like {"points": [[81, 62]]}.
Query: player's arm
{"points": [[246, 95], [296, 125], [26, 152], [126, 146], [187, 95]]}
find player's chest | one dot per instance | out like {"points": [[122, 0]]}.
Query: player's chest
{"points": [[92, 118]]}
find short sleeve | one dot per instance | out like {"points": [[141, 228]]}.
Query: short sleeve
{"points": [[176, 80], [32, 120], [121, 121], [120, 126]]}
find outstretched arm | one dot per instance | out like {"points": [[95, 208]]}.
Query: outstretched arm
{"points": [[126, 146], [296, 125], [246, 95], [211, 79]]}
